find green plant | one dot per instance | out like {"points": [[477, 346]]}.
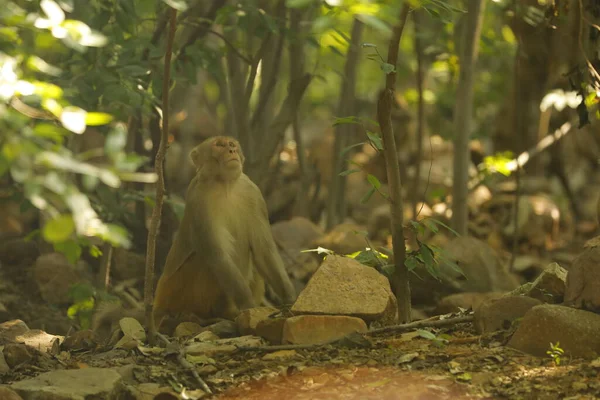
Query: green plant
{"points": [[555, 353]]}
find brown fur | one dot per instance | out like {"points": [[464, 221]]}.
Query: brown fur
{"points": [[224, 250]]}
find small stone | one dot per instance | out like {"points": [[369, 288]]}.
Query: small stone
{"points": [[312, 329], [280, 355], [498, 314], [247, 320]]}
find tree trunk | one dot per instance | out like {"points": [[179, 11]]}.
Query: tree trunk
{"points": [[463, 112], [336, 206]]}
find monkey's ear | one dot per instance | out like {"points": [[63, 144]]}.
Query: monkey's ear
{"points": [[195, 157], [241, 153]]}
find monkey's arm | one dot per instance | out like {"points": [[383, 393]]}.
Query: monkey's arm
{"points": [[264, 251], [214, 244]]}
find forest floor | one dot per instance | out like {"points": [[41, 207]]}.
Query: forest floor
{"points": [[456, 364]]}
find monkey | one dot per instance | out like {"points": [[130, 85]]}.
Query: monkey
{"points": [[224, 250]]}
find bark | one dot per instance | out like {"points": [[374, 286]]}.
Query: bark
{"points": [[463, 113], [336, 207], [420, 111], [297, 67], [399, 280]]}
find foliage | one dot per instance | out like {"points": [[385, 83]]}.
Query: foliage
{"points": [[437, 340], [42, 109], [556, 353], [83, 298]]}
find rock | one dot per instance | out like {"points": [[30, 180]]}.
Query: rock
{"points": [[271, 329], [4, 367], [223, 345], [153, 391], [483, 272], [247, 320], [55, 276], [11, 329], [280, 355], [18, 252], [481, 265], [343, 239], [312, 329], [296, 233], [17, 354], [127, 264], [583, 279], [223, 329], [498, 314], [548, 287], [187, 329], [575, 330], [468, 300], [343, 286], [81, 340], [41, 341], [75, 384], [8, 394]]}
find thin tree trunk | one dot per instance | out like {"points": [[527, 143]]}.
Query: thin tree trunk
{"points": [[399, 279], [297, 65], [160, 185], [336, 206], [471, 33], [420, 111]]}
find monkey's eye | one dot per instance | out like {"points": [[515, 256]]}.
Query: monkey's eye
{"points": [[221, 144], [231, 144]]}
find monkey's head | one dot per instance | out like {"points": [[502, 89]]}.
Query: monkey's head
{"points": [[219, 157]]}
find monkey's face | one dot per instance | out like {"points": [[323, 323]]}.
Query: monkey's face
{"points": [[228, 157]]}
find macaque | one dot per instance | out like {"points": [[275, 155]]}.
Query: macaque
{"points": [[224, 250]]}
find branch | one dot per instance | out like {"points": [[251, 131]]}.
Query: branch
{"points": [[231, 47], [203, 28], [160, 184], [434, 322], [277, 128]]}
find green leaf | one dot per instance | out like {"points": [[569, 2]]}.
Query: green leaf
{"points": [[116, 140], [95, 251], [375, 140], [375, 23], [426, 334], [97, 118], [374, 181], [179, 5], [134, 70], [59, 229], [346, 120], [70, 248], [49, 131], [387, 68], [427, 254], [347, 149], [367, 196], [411, 263], [348, 172], [298, 3]]}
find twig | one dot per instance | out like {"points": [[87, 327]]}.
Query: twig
{"points": [[231, 46], [190, 367], [160, 184], [433, 322], [201, 29], [426, 323]]}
